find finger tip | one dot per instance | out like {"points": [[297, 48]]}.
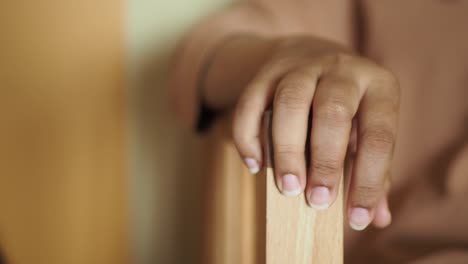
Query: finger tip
{"points": [[383, 216], [359, 218], [254, 170], [319, 198], [291, 193], [382, 219], [317, 207], [289, 185], [357, 227], [252, 165]]}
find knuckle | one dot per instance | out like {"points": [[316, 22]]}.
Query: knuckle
{"points": [[301, 79], [334, 110], [387, 79], [342, 58], [326, 167], [288, 150], [280, 61], [378, 140], [291, 96]]}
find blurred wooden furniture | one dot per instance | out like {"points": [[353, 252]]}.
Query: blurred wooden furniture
{"points": [[250, 222], [63, 164]]}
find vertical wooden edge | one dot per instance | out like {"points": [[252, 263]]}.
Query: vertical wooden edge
{"points": [[267, 140], [248, 211], [230, 203], [249, 221], [261, 190], [212, 229], [260, 215], [288, 230]]}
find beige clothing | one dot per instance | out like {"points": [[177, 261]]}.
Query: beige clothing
{"points": [[425, 43]]}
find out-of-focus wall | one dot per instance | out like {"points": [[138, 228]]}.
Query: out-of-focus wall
{"points": [[165, 159]]}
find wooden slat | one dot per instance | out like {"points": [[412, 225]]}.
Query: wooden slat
{"points": [[230, 196], [296, 233], [251, 222]]}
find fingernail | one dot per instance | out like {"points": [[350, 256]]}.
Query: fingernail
{"points": [[319, 198], [290, 185], [359, 218], [252, 165]]}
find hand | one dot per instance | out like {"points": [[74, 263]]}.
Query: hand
{"points": [[343, 93]]}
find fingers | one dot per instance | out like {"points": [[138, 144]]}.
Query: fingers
{"points": [[246, 125], [249, 112], [336, 97], [335, 103], [377, 122], [383, 217], [291, 110]]}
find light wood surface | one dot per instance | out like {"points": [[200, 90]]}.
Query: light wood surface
{"points": [[63, 171], [296, 233], [251, 222]]}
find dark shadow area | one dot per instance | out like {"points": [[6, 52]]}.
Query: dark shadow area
{"points": [[2, 258]]}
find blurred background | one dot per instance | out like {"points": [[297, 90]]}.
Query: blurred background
{"points": [[93, 167]]}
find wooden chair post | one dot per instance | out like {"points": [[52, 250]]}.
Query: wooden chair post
{"points": [[250, 222]]}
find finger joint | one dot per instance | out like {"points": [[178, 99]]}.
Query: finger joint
{"points": [[378, 141], [291, 97]]}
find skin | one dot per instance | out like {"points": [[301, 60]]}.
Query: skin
{"points": [[354, 107]]}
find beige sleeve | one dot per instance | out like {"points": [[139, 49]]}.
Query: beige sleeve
{"points": [[331, 19]]}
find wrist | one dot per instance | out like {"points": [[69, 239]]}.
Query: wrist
{"points": [[232, 66]]}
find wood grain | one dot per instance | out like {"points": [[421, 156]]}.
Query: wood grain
{"points": [[296, 233], [251, 222]]}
